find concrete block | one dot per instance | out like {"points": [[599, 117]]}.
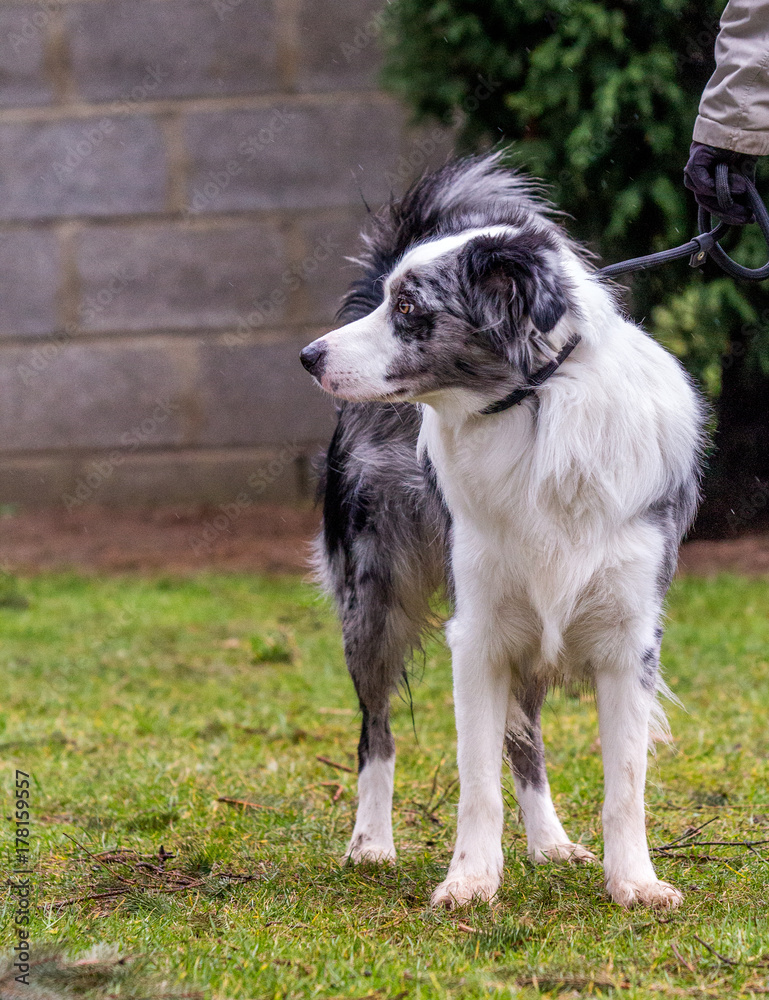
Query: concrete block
{"points": [[173, 276], [23, 78], [260, 394], [323, 273], [137, 50], [338, 44], [189, 476], [60, 394], [195, 476], [96, 166], [297, 156], [30, 266]]}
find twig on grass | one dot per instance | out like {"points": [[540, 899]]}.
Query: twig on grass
{"points": [[100, 862], [151, 879], [680, 957], [434, 784], [713, 843], [449, 789], [706, 859], [340, 789], [579, 983], [61, 903], [467, 929], [429, 810], [147, 865], [687, 835], [333, 763], [759, 964], [245, 803], [672, 850], [238, 877], [723, 958]]}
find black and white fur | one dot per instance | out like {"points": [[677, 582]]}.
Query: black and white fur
{"points": [[555, 523]]}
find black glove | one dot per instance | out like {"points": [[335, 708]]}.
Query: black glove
{"points": [[700, 177]]}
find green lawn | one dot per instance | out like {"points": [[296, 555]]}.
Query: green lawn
{"points": [[136, 704]]}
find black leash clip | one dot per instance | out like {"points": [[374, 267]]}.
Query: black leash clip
{"points": [[705, 243]]}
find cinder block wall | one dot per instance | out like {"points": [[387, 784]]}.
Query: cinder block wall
{"points": [[180, 181]]}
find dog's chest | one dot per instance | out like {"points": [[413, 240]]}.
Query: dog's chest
{"points": [[484, 471], [525, 523]]}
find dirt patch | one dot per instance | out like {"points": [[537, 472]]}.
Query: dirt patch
{"points": [[263, 539], [748, 555]]}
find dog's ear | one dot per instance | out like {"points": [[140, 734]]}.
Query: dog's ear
{"points": [[521, 273]]}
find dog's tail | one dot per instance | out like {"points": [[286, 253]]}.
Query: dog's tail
{"points": [[659, 728], [463, 194]]}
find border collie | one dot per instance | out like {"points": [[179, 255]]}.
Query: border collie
{"points": [[508, 434]]}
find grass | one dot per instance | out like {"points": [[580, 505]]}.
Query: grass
{"points": [[137, 705]]}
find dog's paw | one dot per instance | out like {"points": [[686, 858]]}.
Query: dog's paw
{"points": [[362, 852], [656, 894], [563, 854], [458, 890]]}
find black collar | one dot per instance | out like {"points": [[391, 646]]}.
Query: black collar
{"points": [[535, 381]]}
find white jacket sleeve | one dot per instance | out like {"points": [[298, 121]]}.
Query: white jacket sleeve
{"points": [[734, 110]]}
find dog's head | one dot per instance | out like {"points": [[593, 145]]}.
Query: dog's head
{"points": [[466, 311]]}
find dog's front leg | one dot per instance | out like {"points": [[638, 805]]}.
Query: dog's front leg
{"points": [[624, 709], [481, 689], [547, 839]]}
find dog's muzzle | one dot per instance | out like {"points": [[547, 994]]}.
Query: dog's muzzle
{"points": [[313, 357]]}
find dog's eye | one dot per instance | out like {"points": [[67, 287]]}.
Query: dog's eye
{"points": [[405, 307]]}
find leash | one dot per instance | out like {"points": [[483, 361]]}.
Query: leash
{"points": [[698, 249]]}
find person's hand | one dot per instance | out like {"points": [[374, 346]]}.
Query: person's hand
{"points": [[700, 177]]}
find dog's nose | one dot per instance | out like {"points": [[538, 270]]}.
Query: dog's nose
{"points": [[313, 357]]}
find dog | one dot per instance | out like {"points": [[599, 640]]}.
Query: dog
{"points": [[505, 433]]}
